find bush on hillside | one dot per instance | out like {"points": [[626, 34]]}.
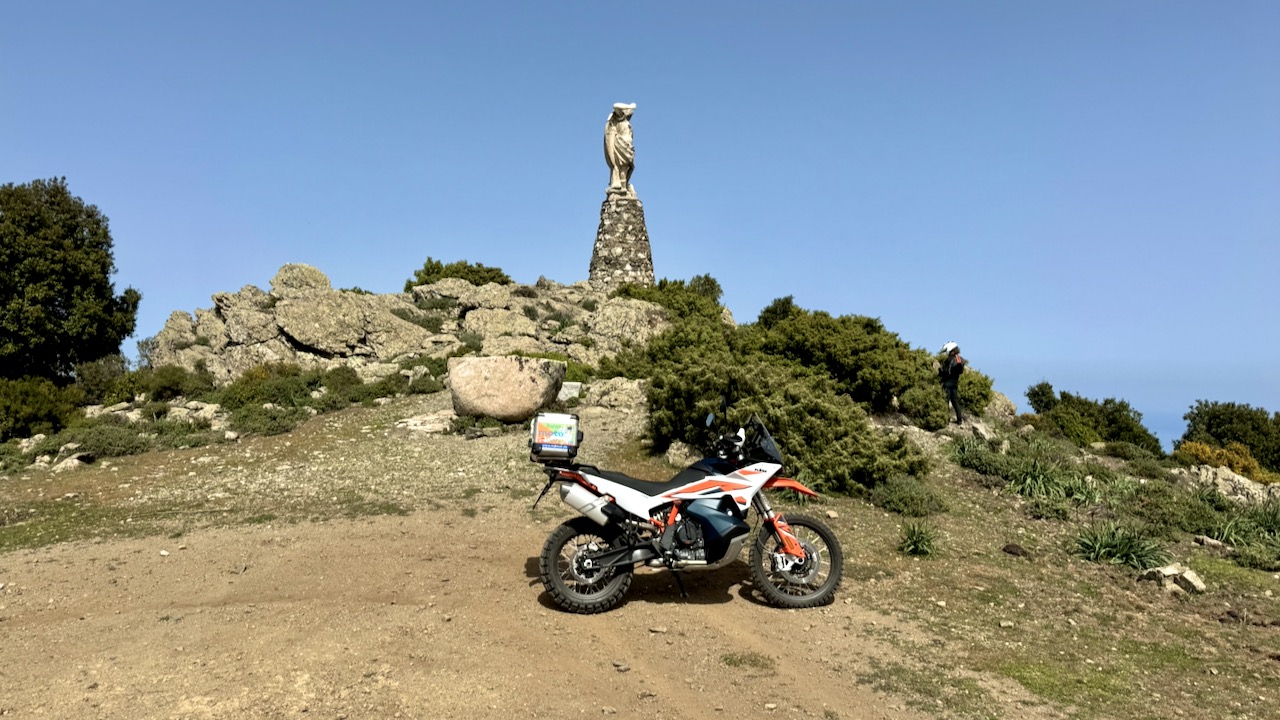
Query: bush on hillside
{"points": [[476, 274], [909, 496], [868, 363], [925, 406], [167, 382], [283, 384], [1234, 456], [1041, 398], [1085, 421], [778, 311], [99, 378], [810, 377], [825, 438], [975, 391], [699, 297], [1217, 424], [35, 405]]}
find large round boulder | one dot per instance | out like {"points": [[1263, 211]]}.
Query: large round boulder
{"points": [[510, 389]]}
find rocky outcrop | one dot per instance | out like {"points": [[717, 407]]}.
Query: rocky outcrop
{"points": [[303, 320], [1232, 485], [1001, 407], [509, 389]]}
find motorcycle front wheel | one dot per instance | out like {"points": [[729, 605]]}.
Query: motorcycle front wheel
{"points": [[567, 571], [791, 583]]}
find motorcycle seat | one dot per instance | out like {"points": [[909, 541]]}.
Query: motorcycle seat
{"points": [[694, 472]]}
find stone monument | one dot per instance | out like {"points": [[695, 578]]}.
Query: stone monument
{"points": [[622, 254]]}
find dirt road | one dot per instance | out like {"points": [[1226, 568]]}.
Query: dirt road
{"points": [[421, 616]]}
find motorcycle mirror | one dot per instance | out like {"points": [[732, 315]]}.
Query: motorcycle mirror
{"points": [[711, 418]]}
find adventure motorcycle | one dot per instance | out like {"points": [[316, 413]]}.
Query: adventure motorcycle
{"points": [[697, 520]]}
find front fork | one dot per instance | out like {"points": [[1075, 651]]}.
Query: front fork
{"points": [[792, 553]]}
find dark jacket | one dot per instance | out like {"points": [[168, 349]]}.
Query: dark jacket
{"points": [[952, 368]]}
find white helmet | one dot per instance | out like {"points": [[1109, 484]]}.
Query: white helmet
{"points": [[949, 347]]}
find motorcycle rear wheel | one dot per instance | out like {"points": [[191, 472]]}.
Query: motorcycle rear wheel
{"points": [[810, 584], [574, 587]]}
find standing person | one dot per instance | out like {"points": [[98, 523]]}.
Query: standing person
{"points": [[950, 372]]}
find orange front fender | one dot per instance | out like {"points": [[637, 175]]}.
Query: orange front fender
{"points": [[786, 483]]}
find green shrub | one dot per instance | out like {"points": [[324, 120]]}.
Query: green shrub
{"points": [[560, 318], [867, 362], [1218, 424], [925, 406], [463, 423], [1049, 509], [430, 323], [97, 379], [589, 305], [1262, 555], [1120, 545], [1151, 469], [471, 342], [171, 381], [11, 459], [525, 291], [425, 385], [1166, 509], [340, 379], [435, 304], [676, 296], [1127, 451], [258, 420], [389, 386], [909, 496], [35, 405], [975, 391], [1041, 398], [825, 438], [177, 434], [477, 274], [1085, 421], [976, 455], [106, 438], [437, 367], [531, 312], [780, 310], [283, 384], [918, 540]]}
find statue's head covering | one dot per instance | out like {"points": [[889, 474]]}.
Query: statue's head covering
{"points": [[624, 106]]}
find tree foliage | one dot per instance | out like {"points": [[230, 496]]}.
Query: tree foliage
{"points": [[1085, 421], [58, 307], [474, 273], [701, 360], [1218, 424]]}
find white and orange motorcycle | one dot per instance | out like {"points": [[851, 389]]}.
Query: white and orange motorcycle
{"points": [[697, 520]]}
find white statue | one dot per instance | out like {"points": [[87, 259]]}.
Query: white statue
{"points": [[619, 153]]}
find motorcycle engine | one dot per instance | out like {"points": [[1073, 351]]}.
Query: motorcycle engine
{"points": [[689, 541]]}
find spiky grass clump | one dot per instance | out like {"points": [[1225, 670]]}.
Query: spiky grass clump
{"points": [[918, 540], [1120, 545]]}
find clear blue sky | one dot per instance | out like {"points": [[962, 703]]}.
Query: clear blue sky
{"points": [[1081, 192]]}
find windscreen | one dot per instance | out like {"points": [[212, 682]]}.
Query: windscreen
{"points": [[764, 441]]}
